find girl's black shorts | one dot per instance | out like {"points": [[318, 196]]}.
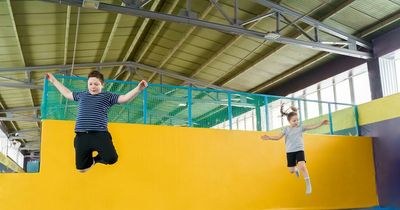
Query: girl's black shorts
{"points": [[294, 157]]}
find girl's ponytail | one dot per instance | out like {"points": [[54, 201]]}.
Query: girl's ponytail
{"points": [[287, 113], [284, 113]]}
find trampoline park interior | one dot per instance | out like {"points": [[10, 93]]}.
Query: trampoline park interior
{"points": [[218, 72]]}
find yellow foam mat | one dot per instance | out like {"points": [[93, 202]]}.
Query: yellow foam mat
{"points": [[174, 168]]}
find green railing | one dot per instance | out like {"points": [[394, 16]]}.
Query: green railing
{"points": [[203, 108]]}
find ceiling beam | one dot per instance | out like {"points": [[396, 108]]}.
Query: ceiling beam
{"points": [[12, 79], [145, 2], [30, 149], [112, 35], [78, 18], [32, 138], [14, 26], [258, 17], [226, 46], [21, 109], [225, 28], [234, 74], [142, 52], [2, 125], [176, 76], [180, 43], [168, 73], [24, 131], [138, 35], [27, 73], [315, 23], [68, 66], [289, 72], [26, 119], [21, 85], [66, 36], [298, 68]]}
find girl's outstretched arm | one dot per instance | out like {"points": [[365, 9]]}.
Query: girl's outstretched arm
{"points": [[310, 127], [60, 87], [276, 138], [133, 93]]}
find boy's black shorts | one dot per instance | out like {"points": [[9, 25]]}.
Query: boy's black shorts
{"points": [[294, 157], [87, 142]]}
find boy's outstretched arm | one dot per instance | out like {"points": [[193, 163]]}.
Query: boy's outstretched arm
{"points": [[60, 87], [266, 137], [133, 93], [310, 127]]}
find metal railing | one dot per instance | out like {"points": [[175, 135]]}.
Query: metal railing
{"points": [[205, 108]]}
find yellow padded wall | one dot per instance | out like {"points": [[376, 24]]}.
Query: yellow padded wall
{"points": [[174, 168]]}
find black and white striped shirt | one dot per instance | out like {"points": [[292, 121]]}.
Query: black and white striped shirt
{"points": [[93, 110]]}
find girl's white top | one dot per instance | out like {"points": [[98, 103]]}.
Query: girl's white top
{"points": [[294, 138]]}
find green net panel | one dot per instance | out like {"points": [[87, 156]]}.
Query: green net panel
{"points": [[202, 108]]}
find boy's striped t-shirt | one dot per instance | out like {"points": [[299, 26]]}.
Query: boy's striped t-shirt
{"points": [[93, 110]]}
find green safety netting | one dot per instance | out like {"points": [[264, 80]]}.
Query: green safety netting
{"points": [[203, 108]]}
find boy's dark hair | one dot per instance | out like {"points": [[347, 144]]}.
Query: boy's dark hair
{"points": [[289, 115], [97, 74]]}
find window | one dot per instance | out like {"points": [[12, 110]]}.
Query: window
{"points": [[275, 117], [348, 87], [246, 121], [241, 124], [250, 122], [312, 107], [343, 88], [390, 73], [298, 94], [234, 123], [327, 94], [362, 91], [397, 64]]}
